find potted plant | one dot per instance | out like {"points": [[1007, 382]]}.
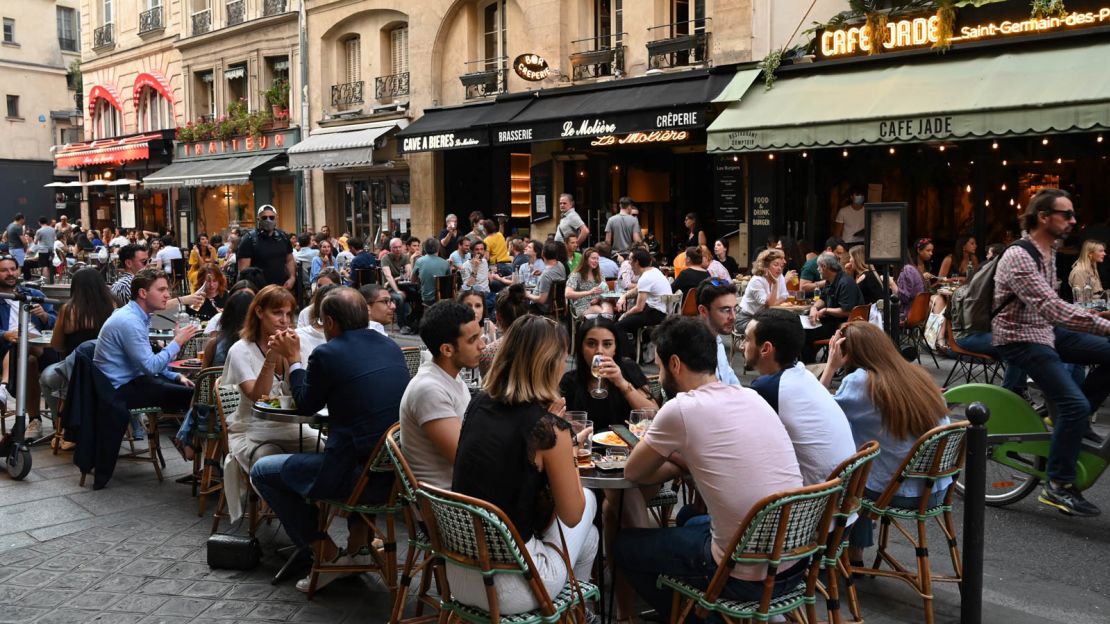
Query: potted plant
{"points": [[186, 133], [278, 97]]}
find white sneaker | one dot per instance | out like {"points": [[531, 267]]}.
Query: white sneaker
{"points": [[34, 429], [325, 578], [4, 396]]}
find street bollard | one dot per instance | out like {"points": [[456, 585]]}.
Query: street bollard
{"points": [[975, 468]]}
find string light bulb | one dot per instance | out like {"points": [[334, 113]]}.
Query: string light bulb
{"points": [[1004, 163], [805, 154], [987, 203], [1003, 186], [1012, 201], [735, 158], [942, 148], [968, 188], [1059, 161], [891, 151], [1044, 141], [770, 156], [994, 145], [844, 153], [1098, 139]]}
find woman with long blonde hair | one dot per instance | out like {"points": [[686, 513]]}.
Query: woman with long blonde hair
{"points": [[767, 287], [516, 452], [887, 399], [869, 281], [1085, 270]]}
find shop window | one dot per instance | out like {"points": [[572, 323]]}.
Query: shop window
{"points": [[155, 112], [220, 208], [106, 120], [9, 30], [68, 37], [493, 35], [13, 107], [236, 76], [204, 95]]}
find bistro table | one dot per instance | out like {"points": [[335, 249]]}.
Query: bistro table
{"points": [[187, 367], [799, 308], [595, 479], [41, 340]]}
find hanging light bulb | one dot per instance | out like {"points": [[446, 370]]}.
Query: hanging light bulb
{"points": [[1044, 141], [942, 148], [805, 154], [968, 188], [1059, 161], [1011, 201], [891, 150], [1099, 139], [1003, 186], [844, 153], [987, 203], [1004, 163], [770, 156], [994, 145], [735, 158]]}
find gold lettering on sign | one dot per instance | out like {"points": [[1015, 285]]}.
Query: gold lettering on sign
{"points": [[638, 138]]}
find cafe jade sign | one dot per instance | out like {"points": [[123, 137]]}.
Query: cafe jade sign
{"points": [[531, 67], [986, 23]]}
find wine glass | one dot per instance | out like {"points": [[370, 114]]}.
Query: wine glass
{"points": [[595, 368]]}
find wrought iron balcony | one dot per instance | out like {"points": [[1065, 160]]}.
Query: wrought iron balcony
{"points": [[236, 12], [389, 87], [344, 95], [202, 22], [273, 7], [598, 56], [104, 36], [679, 44], [151, 20], [487, 79]]}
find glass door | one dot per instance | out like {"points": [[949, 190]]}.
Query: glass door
{"points": [[357, 214]]}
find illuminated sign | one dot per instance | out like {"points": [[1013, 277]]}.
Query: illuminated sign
{"points": [[531, 67], [919, 32], [440, 141], [635, 138], [239, 145]]}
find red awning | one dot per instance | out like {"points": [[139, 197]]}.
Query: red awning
{"points": [[105, 92], [155, 80], [105, 152]]}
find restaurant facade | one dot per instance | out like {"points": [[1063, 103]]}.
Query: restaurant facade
{"points": [[964, 137]]}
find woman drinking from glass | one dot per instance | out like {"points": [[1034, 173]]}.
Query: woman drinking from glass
{"points": [[213, 288], [585, 285], [767, 287]]}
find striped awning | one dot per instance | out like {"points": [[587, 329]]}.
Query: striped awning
{"points": [[345, 147], [105, 151]]}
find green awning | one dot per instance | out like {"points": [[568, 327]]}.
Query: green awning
{"points": [[1065, 89]]}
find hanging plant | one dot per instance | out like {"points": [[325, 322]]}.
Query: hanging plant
{"points": [[769, 65], [946, 24], [1044, 9]]}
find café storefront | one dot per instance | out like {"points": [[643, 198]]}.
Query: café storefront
{"points": [[641, 137], [220, 183], [964, 138]]}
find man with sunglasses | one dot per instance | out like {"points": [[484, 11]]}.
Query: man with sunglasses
{"points": [[717, 307], [132, 259], [269, 249], [1034, 329]]}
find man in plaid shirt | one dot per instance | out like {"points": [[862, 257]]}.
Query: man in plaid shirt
{"points": [[1040, 332]]}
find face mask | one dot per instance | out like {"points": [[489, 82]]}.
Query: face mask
{"points": [[857, 199], [267, 225]]}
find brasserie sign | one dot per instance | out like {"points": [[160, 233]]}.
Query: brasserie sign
{"points": [[986, 23]]}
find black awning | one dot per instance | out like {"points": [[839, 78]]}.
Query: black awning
{"points": [[457, 127], [654, 103]]}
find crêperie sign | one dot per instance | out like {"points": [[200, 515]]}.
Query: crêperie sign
{"points": [[531, 67]]}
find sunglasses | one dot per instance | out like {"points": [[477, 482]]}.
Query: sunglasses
{"points": [[594, 315], [1068, 214], [269, 218]]}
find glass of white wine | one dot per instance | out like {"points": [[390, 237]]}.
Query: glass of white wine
{"points": [[595, 368]]}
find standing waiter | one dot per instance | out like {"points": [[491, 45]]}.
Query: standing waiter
{"points": [[269, 249]]}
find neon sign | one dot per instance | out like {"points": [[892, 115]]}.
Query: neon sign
{"points": [[637, 138], [924, 31]]}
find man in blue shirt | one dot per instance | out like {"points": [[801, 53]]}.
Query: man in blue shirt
{"points": [[124, 355], [717, 307], [363, 259]]}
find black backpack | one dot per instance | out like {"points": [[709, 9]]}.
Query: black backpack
{"points": [[973, 303]]}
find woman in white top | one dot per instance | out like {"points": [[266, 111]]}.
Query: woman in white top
{"points": [[312, 331], [258, 372], [767, 287]]}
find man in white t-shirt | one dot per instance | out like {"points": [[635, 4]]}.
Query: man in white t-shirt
{"points": [[734, 446], [436, 399], [622, 229], [167, 254], [849, 223], [571, 224], [651, 285], [817, 426]]}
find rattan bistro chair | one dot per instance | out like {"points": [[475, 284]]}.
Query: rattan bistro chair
{"points": [[936, 455], [852, 473], [227, 401], [206, 437], [475, 535], [418, 543], [412, 359], [790, 526]]}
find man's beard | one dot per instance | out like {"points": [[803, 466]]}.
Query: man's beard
{"points": [[750, 364], [668, 384]]}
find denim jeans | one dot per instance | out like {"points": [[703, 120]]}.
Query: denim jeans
{"points": [[297, 517], [401, 308], [1014, 377], [1074, 402], [642, 555]]}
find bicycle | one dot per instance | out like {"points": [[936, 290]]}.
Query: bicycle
{"points": [[1018, 442]]}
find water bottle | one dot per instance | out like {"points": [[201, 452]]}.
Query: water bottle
{"points": [[1088, 295], [1076, 295]]}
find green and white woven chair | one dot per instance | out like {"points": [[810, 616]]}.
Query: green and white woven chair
{"points": [[412, 359], [852, 473], [790, 526], [206, 438], [227, 401], [418, 545], [939, 453], [193, 347], [383, 561], [473, 534]]}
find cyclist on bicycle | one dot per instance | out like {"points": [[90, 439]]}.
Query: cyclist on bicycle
{"points": [[1040, 332]]}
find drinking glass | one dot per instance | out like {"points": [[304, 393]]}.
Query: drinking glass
{"points": [[574, 416], [595, 369], [639, 420], [586, 444], [617, 453]]}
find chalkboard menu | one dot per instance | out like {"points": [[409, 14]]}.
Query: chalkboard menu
{"points": [[728, 189], [761, 186], [542, 206]]}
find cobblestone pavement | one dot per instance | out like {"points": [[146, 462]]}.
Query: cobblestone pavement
{"points": [[134, 552]]}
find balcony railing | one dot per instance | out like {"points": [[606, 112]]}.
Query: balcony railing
{"points": [[344, 95], [273, 7], [679, 44], [236, 12], [104, 36], [488, 78], [389, 87], [598, 56], [68, 45], [151, 20], [202, 22]]}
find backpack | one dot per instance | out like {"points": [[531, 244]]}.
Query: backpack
{"points": [[973, 304]]}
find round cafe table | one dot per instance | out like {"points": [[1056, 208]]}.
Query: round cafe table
{"points": [[187, 367], [606, 480], [42, 340], [290, 415]]}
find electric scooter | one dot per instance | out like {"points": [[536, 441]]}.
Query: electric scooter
{"points": [[13, 447]]}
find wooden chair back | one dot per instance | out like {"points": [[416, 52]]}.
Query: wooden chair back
{"points": [[558, 300], [919, 311], [445, 287], [362, 277], [690, 303], [860, 313]]}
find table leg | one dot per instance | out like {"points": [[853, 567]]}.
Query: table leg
{"points": [[608, 616], [295, 555]]}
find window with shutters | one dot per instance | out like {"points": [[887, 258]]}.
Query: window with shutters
{"points": [[493, 34], [67, 29], [352, 48], [155, 111], [399, 50], [106, 120], [106, 15]]}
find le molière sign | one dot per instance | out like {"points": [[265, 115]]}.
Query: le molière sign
{"points": [[601, 125]]}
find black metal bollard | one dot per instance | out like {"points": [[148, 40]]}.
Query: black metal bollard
{"points": [[975, 468]]}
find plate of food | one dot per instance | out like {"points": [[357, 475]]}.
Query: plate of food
{"points": [[610, 463], [608, 438]]}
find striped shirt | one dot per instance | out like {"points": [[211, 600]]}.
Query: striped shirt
{"points": [[1038, 308]]}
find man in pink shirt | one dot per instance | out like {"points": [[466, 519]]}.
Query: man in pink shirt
{"points": [[737, 450]]}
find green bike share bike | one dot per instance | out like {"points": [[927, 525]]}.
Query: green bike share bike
{"points": [[1017, 445]]}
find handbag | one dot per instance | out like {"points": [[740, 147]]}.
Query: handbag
{"points": [[233, 552], [577, 613]]}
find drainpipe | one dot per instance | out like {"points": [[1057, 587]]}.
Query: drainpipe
{"points": [[306, 175]]}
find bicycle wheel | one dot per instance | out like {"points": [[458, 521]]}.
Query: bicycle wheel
{"points": [[1006, 485]]}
